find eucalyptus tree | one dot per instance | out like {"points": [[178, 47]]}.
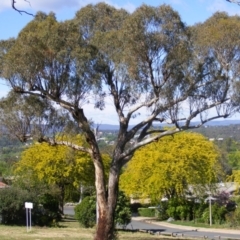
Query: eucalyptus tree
{"points": [[24, 117], [218, 40], [145, 61]]}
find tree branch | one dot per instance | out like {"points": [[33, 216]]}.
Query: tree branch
{"points": [[234, 1], [66, 143], [21, 11], [146, 141]]}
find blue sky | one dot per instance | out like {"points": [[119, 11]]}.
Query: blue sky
{"points": [[191, 12]]}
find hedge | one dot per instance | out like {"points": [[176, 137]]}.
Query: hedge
{"points": [[146, 212]]}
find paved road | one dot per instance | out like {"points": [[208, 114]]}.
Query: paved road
{"points": [[68, 210], [170, 229]]}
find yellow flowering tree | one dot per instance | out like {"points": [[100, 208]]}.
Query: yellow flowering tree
{"points": [[169, 166], [57, 165]]}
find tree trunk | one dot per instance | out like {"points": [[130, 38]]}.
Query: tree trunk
{"points": [[81, 192], [61, 199], [106, 209]]}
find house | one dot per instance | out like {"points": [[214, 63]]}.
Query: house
{"points": [[2, 183]]}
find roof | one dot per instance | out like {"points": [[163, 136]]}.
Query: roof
{"points": [[3, 185], [228, 187]]}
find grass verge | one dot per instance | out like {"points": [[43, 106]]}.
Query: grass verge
{"points": [[201, 225], [69, 230]]}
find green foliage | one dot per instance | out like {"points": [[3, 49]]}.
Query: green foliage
{"points": [[179, 208], [199, 209], [146, 212], [72, 194], [218, 214], [12, 207], [162, 211], [123, 211], [45, 210], [47, 213], [233, 159], [233, 217], [85, 212], [49, 202]]}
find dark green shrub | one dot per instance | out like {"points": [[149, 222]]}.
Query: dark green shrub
{"points": [[199, 209], [134, 207], [123, 212], [233, 217], [85, 212], [72, 194], [181, 209], [49, 202], [162, 211], [146, 212], [218, 214], [12, 207], [47, 212], [183, 212]]}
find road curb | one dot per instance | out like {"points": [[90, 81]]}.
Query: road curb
{"points": [[166, 224]]}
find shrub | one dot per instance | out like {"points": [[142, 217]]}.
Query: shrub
{"points": [[162, 211], [12, 207], [85, 212], [47, 213], [218, 213], [123, 212], [146, 212], [233, 217], [199, 209]]}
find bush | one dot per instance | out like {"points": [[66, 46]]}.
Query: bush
{"points": [[12, 207], [162, 211], [233, 217], [146, 212], [48, 212], [123, 212], [218, 214], [85, 212]]}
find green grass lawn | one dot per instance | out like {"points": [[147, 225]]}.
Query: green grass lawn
{"points": [[69, 230], [201, 225]]}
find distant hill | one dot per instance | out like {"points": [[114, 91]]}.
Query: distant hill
{"points": [[223, 123], [109, 127]]}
